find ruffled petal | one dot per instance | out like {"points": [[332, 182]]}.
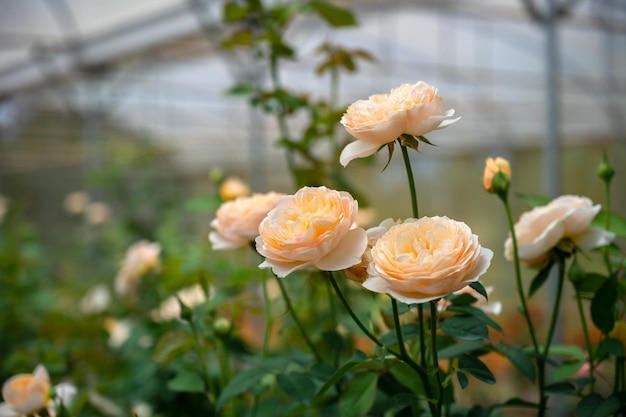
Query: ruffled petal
{"points": [[357, 149], [347, 253]]}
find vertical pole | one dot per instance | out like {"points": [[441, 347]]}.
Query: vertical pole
{"points": [[552, 163]]}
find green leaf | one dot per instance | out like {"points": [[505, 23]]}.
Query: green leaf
{"points": [[603, 305], [474, 366], [390, 146], [534, 200], [617, 224], [465, 327], [594, 405], [358, 396], [480, 289], [409, 331], [233, 12], [518, 402], [591, 283], [464, 299], [405, 375], [186, 381], [297, 385], [540, 278], [242, 382], [568, 351], [409, 142], [522, 361], [334, 15], [356, 358], [462, 378], [567, 369], [171, 345], [561, 388], [478, 313], [457, 349], [612, 347]]}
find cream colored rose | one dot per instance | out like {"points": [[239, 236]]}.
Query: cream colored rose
{"points": [[358, 272], [27, 393], [141, 258], [237, 221], [311, 229], [425, 259], [414, 109], [539, 230], [492, 167]]}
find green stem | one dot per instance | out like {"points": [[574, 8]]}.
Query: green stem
{"points": [[607, 224], [268, 318], [303, 332], [590, 358], [333, 317], [433, 348], [420, 323], [406, 358], [555, 310], [526, 314], [409, 174]]}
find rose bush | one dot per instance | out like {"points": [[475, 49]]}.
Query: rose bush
{"points": [[414, 109], [141, 258], [311, 229], [237, 221], [425, 259], [540, 230]]}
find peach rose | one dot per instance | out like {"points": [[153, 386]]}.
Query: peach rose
{"points": [[232, 188], [27, 393], [237, 221], [141, 258], [414, 109], [541, 229], [492, 167], [425, 259], [311, 229]]}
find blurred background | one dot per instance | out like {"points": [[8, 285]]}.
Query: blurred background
{"points": [[138, 106]]}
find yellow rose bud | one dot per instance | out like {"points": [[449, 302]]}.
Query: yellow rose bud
{"points": [[232, 188], [492, 167]]}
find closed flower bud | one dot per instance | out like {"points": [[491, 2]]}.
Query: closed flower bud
{"points": [[233, 188], [222, 326], [605, 170], [497, 175]]}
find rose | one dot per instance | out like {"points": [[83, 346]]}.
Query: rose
{"points": [[141, 258], [358, 272], [414, 109], [232, 188], [26, 394], [237, 221], [311, 229], [425, 259], [492, 167], [541, 229]]}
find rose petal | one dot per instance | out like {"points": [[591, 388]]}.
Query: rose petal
{"points": [[357, 149], [347, 253]]}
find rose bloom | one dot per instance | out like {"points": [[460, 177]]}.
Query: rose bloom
{"points": [[541, 229], [311, 229], [170, 308], [237, 221], [358, 272], [414, 109], [232, 188], [26, 394], [425, 259], [141, 258], [492, 167]]}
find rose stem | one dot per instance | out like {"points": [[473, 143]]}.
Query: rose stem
{"points": [[433, 344], [415, 211], [420, 371], [522, 297], [583, 322], [283, 291]]}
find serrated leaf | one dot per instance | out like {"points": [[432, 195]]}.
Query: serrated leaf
{"points": [[242, 382], [521, 361], [478, 313], [334, 15], [358, 396], [475, 367], [480, 289], [617, 224], [172, 344], [561, 388], [540, 279], [356, 358], [465, 327], [186, 381], [297, 385], [405, 375], [612, 347], [534, 200], [603, 305], [457, 349]]}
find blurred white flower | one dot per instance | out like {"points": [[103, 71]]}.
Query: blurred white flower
{"points": [[97, 300], [97, 213], [76, 202], [142, 410], [170, 308], [119, 331], [141, 258]]}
